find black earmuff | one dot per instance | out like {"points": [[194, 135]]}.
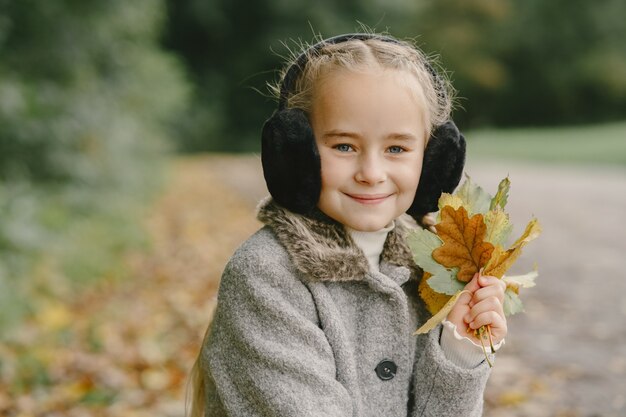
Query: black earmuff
{"points": [[444, 159], [291, 161]]}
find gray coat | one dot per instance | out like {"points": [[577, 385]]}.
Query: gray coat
{"points": [[303, 328]]}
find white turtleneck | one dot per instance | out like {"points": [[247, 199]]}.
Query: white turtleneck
{"points": [[458, 349], [371, 243]]}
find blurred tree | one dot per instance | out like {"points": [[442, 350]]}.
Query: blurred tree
{"points": [[228, 48], [468, 36], [78, 90], [514, 62], [531, 62], [86, 99], [569, 60]]}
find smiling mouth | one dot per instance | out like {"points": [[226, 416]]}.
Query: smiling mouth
{"points": [[368, 198]]}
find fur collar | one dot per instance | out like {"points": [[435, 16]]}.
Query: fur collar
{"points": [[323, 250]]}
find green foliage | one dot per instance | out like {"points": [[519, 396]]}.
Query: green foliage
{"points": [[514, 62], [531, 62], [87, 100], [232, 47]]}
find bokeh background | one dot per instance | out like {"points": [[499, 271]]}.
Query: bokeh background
{"points": [[129, 172]]}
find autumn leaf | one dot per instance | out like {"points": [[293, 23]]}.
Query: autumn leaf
{"points": [[512, 303], [533, 230], [441, 314], [445, 282], [451, 200], [501, 260], [498, 227], [502, 195], [464, 246], [515, 282], [475, 198], [422, 243], [434, 301]]}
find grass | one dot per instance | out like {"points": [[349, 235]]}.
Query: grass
{"points": [[589, 145]]}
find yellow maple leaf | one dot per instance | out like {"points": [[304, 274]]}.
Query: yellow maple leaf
{"points": [[498, 226], [434, 301], [441, 314], [463, 242], [501, 260], [451, 200]]}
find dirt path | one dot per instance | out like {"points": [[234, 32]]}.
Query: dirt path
{"points": [[566, 356]]}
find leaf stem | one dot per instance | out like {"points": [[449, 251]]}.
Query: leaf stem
{"points": [[480, 334], [493, 350], [485, 351]]}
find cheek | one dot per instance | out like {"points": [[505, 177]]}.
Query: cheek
{"points": [[329, 172], [332, 170], [410, 177]]}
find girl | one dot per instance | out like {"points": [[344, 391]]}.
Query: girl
{"points": [[316, 311]]}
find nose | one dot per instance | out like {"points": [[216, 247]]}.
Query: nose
{"points": [[370, 170]]}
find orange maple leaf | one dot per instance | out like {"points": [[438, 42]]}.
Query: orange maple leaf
{"points": [[463, 242]]}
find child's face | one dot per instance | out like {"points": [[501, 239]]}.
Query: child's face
{"points": [[370, 130]]}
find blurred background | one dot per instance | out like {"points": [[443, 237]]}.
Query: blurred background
{"points": [[129, 172]]}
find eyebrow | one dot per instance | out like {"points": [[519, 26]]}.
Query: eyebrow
{"points": [[340, 134], [353, 135], [402, 136]]}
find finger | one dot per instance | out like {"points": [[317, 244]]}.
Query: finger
{"points": [[473, 285], [490, 318], [460, 310], [486, 305], [487, 280], [486, 292], [463, 300], [456, 315]]}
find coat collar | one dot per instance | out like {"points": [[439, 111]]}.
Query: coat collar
{"points": [[323, 250]]}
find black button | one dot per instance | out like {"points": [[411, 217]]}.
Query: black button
{"points": [[386, 369]]}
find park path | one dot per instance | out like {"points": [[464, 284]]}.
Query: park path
{"points": [[124, 348]]}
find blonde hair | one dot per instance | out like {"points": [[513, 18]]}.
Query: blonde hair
{"points": [[195, 394], [361, 55]]}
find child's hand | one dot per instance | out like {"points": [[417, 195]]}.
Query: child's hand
{"points": [[483, 307]]}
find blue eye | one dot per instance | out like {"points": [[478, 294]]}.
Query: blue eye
{"points": [[343, 147], [395, 149]]}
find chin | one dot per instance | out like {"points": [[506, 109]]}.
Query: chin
{"points": [[368, 226]]}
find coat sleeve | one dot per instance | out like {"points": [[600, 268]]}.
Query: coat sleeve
{"points": [[265, 354], [442, 388]]}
